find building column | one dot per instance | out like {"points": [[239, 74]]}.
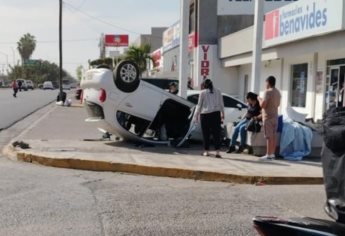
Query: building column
{"points": [[184, 64], [257, 46], [313, 85]]}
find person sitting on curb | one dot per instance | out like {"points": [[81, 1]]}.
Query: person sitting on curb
{"points": [[254, 112]]}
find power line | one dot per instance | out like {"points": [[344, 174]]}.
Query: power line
{"points": [[100, 20], [72, 12], [103, 21], [81, 4]]}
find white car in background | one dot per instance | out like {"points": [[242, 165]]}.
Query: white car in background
{"points": [[48, 85], [66, 84], [23, 84], [30, 84], [135, 109]]}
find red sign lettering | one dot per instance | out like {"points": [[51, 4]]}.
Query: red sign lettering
{"points": [[205, 63]]}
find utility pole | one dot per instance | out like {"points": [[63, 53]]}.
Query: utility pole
{"points": [[257, 45], [184, 64], [62, 95], [60, 46]]}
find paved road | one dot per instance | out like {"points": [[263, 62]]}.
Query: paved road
{"points": [[37, 200], [13, 109]]}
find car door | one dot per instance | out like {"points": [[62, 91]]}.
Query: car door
{"points": [[233, 109], [193, 127]]}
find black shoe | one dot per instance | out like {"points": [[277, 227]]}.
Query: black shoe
{"points": [[240, 149], [231, 149]]}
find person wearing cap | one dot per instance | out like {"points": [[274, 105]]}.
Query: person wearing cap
{"points": [[210, 113], [254, 112]]}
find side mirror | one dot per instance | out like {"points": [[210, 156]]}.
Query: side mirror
{"points": [[239, 106]]}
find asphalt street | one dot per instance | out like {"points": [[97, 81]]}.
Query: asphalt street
{"points": [[38, 200], [13, 109]]}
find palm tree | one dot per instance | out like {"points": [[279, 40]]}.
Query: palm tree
{"points": [[26, 46], [139, 55]]}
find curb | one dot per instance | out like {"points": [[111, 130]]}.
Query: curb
{"points": [[75, 105], [91, 165]]}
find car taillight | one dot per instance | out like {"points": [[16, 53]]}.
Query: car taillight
{"points": [[102, 95]]}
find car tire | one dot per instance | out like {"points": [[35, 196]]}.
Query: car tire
{"points": [[126, 76]]}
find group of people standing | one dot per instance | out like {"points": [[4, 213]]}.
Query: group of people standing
{"points": [[210, 114]]}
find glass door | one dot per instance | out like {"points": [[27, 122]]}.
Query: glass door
{"points": [[335, 87], [341, 94]]}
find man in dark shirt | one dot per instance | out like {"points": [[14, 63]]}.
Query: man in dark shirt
{"points": [[254, 112]]}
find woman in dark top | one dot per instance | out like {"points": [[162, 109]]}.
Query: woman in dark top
{"points": [[254, 112]]}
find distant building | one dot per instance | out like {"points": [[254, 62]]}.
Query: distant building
{"points": [[154, 39]]}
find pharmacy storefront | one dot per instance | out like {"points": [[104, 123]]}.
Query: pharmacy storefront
{"points": [[304, 48]]}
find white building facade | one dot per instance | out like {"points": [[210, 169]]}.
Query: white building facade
{"points": [[303, 47]]}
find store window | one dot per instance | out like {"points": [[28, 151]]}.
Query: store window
{"points": [[299, 85]]}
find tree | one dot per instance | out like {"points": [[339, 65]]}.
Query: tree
{"points": [[45, 71], [139, 55], [26, 46], [15, 72], [79, 72]]}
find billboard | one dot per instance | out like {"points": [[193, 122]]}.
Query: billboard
{"points": [[116, 40], [171, 37], [246, 7], [303, 19]]}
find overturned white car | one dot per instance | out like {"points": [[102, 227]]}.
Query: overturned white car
{"points": [[141, 110]]}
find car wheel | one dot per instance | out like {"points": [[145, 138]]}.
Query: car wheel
{"points": [[126, 76]]}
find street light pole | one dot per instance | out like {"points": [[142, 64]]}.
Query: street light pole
{"points": [[60, 48], [62, 94]]}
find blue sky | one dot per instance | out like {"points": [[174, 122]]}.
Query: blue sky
{"points": [[40, 18]]}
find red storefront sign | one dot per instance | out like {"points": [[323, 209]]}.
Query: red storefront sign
{"points": [[205, 62], [119, 40], [272, 25]]}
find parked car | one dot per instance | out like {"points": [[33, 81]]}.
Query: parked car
{"points": [[23, 84], [29, 84], [40, 86], [48, 85], [137, 110], [66, 85]]}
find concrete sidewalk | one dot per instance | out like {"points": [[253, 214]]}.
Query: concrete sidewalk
{"points": [[58, 139]]}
